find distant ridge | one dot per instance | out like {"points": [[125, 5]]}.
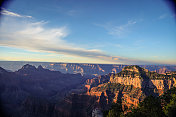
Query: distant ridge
{"points": [[84, 69]]}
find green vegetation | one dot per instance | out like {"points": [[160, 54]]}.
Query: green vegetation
{"points": [[163, 106], [127, 73], [115, 111], [150, 107], [169, 102]]}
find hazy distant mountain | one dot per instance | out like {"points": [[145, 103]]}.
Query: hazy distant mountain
{"points": [[30, 86], [84, 69]]}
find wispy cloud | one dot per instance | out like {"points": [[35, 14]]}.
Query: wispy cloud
{"points": [[35, 36], [122, 29], [9, 13], [119, 30]]}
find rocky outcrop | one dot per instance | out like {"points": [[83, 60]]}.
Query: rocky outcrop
{"points": [[98, 80], [137, 82], [108, 93], [131, 85], [141, 78]]}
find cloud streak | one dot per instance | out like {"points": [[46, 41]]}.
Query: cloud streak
{"points": [[122, 29], [119, 30], [9, 13], [35, 36]]}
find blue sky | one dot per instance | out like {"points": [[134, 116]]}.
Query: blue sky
{"points": [[89, 31]]}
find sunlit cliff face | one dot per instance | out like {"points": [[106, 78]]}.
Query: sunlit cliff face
{"points": [[133, 82]]}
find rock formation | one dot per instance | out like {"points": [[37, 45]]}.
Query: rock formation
{"points": [[36, 91], [33, 92], [141, 78], [132, 85]]}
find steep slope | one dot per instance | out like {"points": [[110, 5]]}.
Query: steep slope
{"points": [[34, 92], [131, 85], [143, 78], [20, 90]]}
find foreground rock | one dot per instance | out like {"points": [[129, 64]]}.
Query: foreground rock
{"points": [[130, 86]]}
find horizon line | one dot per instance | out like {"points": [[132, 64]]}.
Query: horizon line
{"points": [[82, 63]]}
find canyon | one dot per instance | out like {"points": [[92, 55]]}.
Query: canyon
{"points": [[36, 91], [33, 91], [83, 68]]}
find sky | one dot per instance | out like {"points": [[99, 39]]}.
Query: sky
{"points": [[88, 31]]}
